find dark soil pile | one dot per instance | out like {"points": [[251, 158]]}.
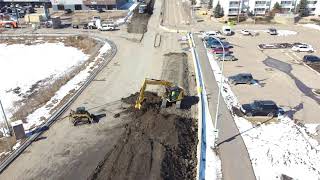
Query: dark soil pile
{"points": [[139, 22], [155, 145]]}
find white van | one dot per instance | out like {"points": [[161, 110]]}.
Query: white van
{"points": [[226, 30]]}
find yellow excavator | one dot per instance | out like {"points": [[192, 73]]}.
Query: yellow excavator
{"points": [[173, 93]]}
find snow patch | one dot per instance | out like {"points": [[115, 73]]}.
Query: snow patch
{"points": [[312, 26], [18, 144], [213, 162], [22, 66], [36, 118], [286, 32]]}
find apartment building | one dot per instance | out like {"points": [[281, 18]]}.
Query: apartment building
{"points": [[261, 7], [86, 4]]}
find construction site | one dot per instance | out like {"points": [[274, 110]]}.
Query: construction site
{"points": [[156, 89]]}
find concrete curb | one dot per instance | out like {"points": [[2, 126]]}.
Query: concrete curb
{"points": [[203, 114]]}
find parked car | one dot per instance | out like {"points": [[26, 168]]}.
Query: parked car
{"points": [[107, 27], [303, 48], [100, 10], [219, 50], [242, 78], [261, 108], [226, 30], [272, 31], [216, 44], [227, 57], [75, 26], [220, 55], [309, 59], [85, 26], [206, 35], [245, 32], [30, 10], [67, 11]]}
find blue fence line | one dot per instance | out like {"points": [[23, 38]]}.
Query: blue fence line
{"points": [[203, 147]]}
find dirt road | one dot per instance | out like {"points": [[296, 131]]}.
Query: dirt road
{"points": [[176, 13]]}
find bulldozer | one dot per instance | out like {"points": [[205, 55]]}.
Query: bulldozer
{"points": [[173, 93], [80, 116]]}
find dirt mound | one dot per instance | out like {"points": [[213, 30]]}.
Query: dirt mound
{"points": [[175, 69], [155, 145]]}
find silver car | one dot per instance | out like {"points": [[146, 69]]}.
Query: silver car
{"points": [[227, 57]]}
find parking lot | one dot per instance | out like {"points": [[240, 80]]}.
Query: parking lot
{"points": [[289, 83]]}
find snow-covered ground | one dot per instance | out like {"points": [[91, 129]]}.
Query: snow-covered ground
{"points": [[312, 26], [281, 32], [286, 32], [24, 65], [275, 148]]}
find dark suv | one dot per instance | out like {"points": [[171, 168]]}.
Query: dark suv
{"points": [[272, 31], [242, 78], [309, 59], [261, 108]]}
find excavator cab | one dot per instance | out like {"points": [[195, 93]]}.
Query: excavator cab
{"points": [[173, 93]]}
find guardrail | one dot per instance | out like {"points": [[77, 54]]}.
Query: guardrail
{"points": [[202, 112], [8, 160]]}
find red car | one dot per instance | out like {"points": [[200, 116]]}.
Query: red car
{"points": [[219, 50]]}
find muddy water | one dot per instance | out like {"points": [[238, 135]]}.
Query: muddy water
{"points": [[287, 68]]}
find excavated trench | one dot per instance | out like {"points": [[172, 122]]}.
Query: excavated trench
{"points": [[156, 144]]}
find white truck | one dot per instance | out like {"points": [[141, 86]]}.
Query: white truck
{"points": [[96, 23]]}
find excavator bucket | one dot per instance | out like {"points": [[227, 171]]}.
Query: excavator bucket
{"points": [[138, 105]]}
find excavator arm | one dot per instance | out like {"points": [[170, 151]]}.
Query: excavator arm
{"points": [[144, 86]]}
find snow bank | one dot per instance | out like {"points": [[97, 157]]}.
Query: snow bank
{"points": [[22, 66], [312, 26], [276, 148], [281, 32], [286, 32], [213, 162], [34, 119]]}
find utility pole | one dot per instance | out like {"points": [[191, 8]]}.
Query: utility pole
{"points": [[239, 10], [5, 119]]}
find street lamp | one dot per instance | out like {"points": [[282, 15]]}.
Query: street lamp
{"points": [[220, 89]]}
